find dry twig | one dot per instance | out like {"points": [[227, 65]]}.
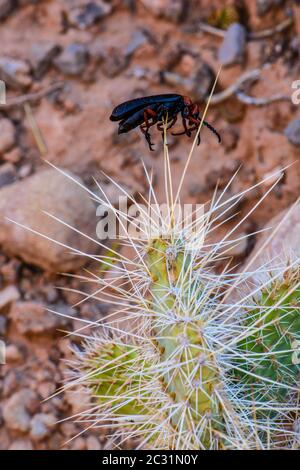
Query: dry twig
{"points": [[251, 36], [31, 97]]}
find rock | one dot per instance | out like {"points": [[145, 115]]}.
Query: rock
{"points": [[264, 6], [6, 8], [3, 326], [282, 250], [42, 55], [232, 49], [21, 444], [93, 443], [16, 410], [7, 135], [41, 426], [79, 444], [53, 192], [172, 10], [68, 429], [73, 60], [114, 62], [33, 318], [137, 40], [13, 156], [45, 389], [8, 295], [16, 73], [87, 15], [239, 247], [7, 174], [13, 354], [292, 132]]}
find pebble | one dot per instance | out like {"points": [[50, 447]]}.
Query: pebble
{"points": [[13, 354], [3, 327], [73, 60], [172, 10], [21, 444], [232, 49], [16, 410], [13, 156], [79, 444], [7, 174], [282, 250], [292, 132], [114, 62], [6, 8], [42, 55], [33, 318], [93, 443], [46, 389], [87, 15], [15, 72], [41, 426], [25, 201], [8, 295], [7, 135]]}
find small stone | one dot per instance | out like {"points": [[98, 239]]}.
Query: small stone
{"points": [[15, 410], [264, 6], [25, 170], [13, 354], [93, 443], [3, 327], [33, 318], [13, 156], [7, 135], [239, 247], [42, 55], [87, 15], [12, 381], [137, 40], [68, 429], [41, 426], [24, 202], [7, 174], [281, 250], [172, 10], [79, 444], [232, 49], [15, 72], [21, 444], [6, 8], [73, 60], [8, 295], [46, 389], [292, 132], [115, 61]]}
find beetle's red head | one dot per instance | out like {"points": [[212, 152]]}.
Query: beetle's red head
{"points": [[187, 101]]}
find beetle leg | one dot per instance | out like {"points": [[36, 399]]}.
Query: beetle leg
{"points": [[185, 131], [148, 114], [147, 135], [161, 128]]}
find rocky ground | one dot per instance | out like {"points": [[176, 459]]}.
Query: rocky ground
{"points": [[71, 62]]}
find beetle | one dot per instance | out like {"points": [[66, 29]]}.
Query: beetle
{"points": [[147, 111]]}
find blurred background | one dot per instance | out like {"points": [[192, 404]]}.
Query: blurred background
{"points": [[66, 65]]}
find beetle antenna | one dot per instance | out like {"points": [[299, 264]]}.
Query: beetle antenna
{"points": [[213, 130]]}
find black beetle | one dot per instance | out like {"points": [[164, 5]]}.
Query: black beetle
{"points": [[150, 110]]}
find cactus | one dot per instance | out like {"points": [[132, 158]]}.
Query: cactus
{"points": [[179, 363], [185, 367]]}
